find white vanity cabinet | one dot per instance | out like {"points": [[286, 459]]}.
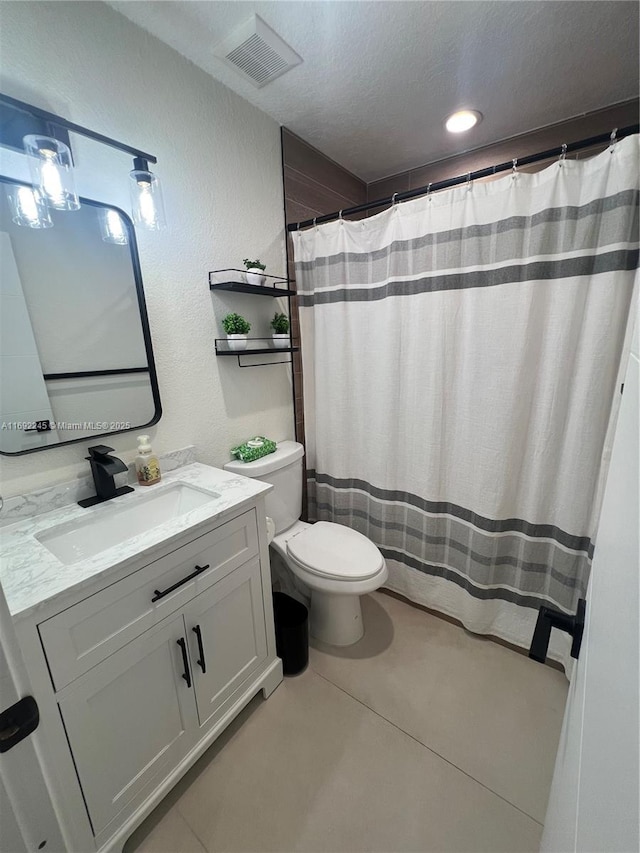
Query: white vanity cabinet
{"points": [[129, 720], [137, 679], [226, 638]]}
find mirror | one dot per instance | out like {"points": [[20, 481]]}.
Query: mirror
{"points": [[75, 350]]}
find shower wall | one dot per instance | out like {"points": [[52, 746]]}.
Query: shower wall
{"points": [[313, 185]]}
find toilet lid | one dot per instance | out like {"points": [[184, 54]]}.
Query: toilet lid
{"points": [[335, 551]]}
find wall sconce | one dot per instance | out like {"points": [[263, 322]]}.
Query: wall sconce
{"points": [[52, 170], [52, 173], [147, 206], [113, 228], [28, 207]]}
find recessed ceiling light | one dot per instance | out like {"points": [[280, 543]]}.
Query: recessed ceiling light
{"points": [[462, 120]]}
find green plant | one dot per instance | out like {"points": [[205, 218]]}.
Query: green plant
{"points": [[234, 324], [280, 324], [254, 264]]}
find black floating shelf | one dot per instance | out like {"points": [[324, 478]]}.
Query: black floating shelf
{"points": [[256, 351], [255, 289], [222, 348], [233, 281]]}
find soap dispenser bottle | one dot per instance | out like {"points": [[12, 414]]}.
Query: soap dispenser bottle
{"points": [[147, 465]]}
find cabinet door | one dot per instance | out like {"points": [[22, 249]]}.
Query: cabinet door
{"points": [[130, 720], [227, 637]]}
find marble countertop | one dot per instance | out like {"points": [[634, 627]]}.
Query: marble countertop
{"points": [[32, 576]]}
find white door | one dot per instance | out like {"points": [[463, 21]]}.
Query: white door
{"points": [[130, 719], [594, 801], [27, 818], [227, 637]]}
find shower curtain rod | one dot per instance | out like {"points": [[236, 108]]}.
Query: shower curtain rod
{"points": [[472, 176]]}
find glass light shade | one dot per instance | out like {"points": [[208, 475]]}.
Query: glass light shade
{"points": [[28, 207], [462, 120], [112, 227], [147, 206], [52, 170]]}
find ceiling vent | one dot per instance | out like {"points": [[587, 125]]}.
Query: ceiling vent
{"points": [[256, 52]]}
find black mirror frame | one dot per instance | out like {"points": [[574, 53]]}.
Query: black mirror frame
{"points": [[144, 320]]}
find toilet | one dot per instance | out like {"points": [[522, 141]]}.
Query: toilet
{"points": [[334, 563]]}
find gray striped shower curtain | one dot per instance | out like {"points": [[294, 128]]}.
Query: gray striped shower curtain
{"points": [[462, 355]]}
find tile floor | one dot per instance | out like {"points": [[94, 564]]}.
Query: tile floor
{"points": [[421, 737]]}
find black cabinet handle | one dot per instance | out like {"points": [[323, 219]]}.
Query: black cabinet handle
{"points": [[185, 661], [17, 722], [200, 660], [549, 618], [157, 594]]}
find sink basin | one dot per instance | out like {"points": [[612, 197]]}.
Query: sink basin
{"points": [[116, 524]]}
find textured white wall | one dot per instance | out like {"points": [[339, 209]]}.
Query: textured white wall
{"points": [[219, 161]]}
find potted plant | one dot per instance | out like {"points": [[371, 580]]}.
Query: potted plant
{"points": [[280, 326], [237, 329], [254, 272]]}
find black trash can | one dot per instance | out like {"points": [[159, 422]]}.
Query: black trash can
{"points": [[292, 632]]}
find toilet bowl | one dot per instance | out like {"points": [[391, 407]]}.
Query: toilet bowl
{"points": [[334, 563], [337, 565]]}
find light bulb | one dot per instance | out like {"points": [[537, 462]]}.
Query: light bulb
{"points": [[112, 227], [146, 197], [28, 208], [462, 120], [51, 168], [147, 207], [51, 183], [27, 204]]}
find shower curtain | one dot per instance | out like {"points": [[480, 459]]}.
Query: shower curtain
{"points": [[461, 357]]}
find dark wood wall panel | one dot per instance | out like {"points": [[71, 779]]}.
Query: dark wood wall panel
{"points": [[592, 124], [313, 185], [305, 160]]}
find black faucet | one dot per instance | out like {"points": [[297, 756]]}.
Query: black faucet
{"points": [[103, 468]]}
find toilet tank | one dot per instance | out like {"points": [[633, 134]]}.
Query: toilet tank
{"points": [[283, 470]]}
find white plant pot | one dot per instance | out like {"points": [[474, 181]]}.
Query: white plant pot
{"points": [[237, 341], [281, 341], [254, 275]]}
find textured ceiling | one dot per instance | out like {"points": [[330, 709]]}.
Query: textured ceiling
{"points": [[379, 78]]}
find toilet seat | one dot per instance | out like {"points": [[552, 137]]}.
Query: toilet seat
{"points": [[334, 551]]}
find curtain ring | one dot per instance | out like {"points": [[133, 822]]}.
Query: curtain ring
{"points": [[298, 228], [340, 216], [314, 221], [563, 156], [429, 191], [514, 168], [393, 199], [468, 181], [613, 139]]}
